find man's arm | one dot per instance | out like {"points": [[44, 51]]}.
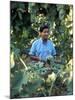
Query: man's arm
{"points": [[35, 58], [53, 51], [32, 53]]}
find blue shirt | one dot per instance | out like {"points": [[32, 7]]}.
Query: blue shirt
{"points": [[42, 49]]}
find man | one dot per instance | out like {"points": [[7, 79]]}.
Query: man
{"points": [[42, 47]]}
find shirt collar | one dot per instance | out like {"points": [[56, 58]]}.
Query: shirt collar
{"points": [[43, 41]]}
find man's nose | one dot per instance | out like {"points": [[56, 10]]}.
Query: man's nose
{"points": [[46, 33]]}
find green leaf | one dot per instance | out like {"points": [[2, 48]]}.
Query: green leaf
{"points": [[20, 15]]}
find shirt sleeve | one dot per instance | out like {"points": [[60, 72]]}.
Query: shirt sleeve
{"points": [[53, 51], [33, 49]]}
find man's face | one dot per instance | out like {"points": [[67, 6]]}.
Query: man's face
{"points": [[44, 34]]}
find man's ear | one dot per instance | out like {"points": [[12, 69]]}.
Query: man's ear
{"points": [[39, 33]]}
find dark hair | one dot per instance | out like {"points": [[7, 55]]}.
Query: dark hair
{"points": [[43, 27]]}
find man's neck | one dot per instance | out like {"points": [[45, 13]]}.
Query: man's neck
{"points": [[44, 40]]}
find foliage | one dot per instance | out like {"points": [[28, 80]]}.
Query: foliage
{"points": [[37, 79], [53, 77]]}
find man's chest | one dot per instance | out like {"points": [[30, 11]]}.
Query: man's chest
{"points": [[43, 49]]}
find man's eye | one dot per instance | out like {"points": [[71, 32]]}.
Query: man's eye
{"points": [[45, 32]]}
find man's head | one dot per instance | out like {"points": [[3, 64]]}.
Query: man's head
{"points": [[44, 32]]}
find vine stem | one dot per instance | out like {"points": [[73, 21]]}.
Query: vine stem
{"points": [[53, 83], [23, 63]]}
